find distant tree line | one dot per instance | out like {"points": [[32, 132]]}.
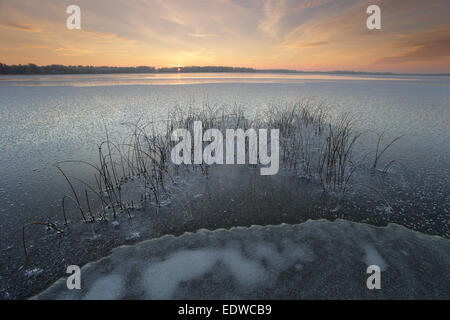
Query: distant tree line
{"points": [[60, 69]]}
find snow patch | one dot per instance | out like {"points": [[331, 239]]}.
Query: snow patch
{"points": [[162, 278], [134, 236], [106, 288], [33, 272]]}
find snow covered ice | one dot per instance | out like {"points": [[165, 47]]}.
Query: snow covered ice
{"points": [[316, 259]]}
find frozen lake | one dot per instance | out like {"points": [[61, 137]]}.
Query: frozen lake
{"points": [[46, 119]]}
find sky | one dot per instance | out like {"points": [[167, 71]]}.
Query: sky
{"points": [[308, 35]]}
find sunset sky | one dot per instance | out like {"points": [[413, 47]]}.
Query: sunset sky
{"points": [[293, 34]]}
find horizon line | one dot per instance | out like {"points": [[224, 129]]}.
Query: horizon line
{"points": [[141, 69]]}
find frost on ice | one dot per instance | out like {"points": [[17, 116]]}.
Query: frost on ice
{"points": [[372, 257], [316, 259]]}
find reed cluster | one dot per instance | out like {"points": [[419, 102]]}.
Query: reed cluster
{"points": [[313, 144]]}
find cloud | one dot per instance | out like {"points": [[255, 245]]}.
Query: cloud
{"points": [[273, 13], [35, 47], [432, 45], [19, 27], [104, 36], [201, 35], [282, 16], [307, 45]]}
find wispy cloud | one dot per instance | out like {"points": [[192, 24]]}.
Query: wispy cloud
{"points": [[281, 16], [431, 45], [19, 27], [35, 47], [104, 36], [307, 44], [201, 35]]}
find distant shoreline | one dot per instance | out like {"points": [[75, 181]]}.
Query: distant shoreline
{"points": [[32, 69]]}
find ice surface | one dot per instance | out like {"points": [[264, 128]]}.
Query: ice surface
{"points": [[42, 125], [372, 257], [316, 259]]}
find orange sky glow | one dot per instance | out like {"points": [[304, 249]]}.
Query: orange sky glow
{"points": [[265, 34]]}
